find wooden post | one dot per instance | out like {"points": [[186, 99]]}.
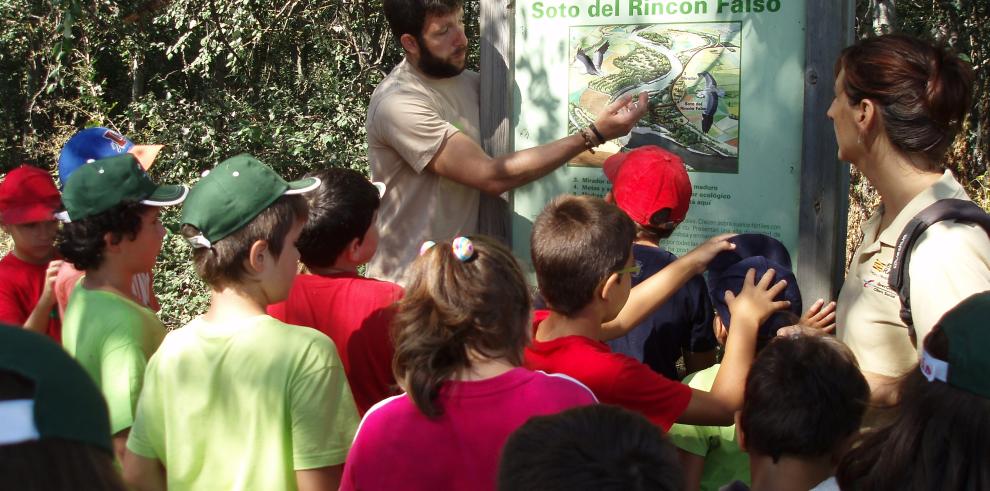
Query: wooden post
{"points": [[824, 179], [496, 106]]}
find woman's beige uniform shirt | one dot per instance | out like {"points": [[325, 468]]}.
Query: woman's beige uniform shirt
{"points": [[949, 262]]}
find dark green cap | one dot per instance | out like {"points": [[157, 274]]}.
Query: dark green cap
{"points": [[230, 195], [968, 365], [102, 184], [66, 403]]}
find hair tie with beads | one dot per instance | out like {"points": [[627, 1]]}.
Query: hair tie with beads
{"points": [[463, 248]]}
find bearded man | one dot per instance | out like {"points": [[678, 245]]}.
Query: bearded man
{"points": [[423, 137]]}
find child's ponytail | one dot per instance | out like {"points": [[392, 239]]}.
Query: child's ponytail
{"points": [[465, 298]]}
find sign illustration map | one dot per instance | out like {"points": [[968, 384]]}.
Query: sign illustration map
{"points": [[691, 72]]}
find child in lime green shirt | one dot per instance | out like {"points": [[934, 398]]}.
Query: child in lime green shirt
{"points": [[113, 231], [236, 399]]}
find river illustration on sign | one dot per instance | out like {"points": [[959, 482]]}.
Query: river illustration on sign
{"points": [[692, 75]]}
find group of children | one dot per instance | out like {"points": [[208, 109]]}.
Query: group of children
{"points": [[453, 382]]}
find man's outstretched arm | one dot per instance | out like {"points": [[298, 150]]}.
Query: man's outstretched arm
{"points": [[462, 160]]}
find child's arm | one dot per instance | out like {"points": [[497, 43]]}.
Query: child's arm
{"points": [[701, 343], [692, 467], [152, 299], [319, 479], [142, 473], [749, 310], [649, 295], [37, 321]]}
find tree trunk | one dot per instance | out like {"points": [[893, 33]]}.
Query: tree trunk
{"points": [[884, 16]]}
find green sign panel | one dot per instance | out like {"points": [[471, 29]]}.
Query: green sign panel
{"points": [[725, 81]]}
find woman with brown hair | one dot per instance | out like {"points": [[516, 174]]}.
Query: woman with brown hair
{"points": [[899, 103], [459, 338]]}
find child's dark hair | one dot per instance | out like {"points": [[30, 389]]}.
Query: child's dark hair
{"points": [[51, 464], [340, 210], [660, 227], [223, 263], [598, 447], [452, 307], [408, 16], [577, 242], [937, 438], [804, 397], [81, 242]]}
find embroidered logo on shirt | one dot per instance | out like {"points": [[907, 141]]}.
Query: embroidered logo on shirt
{"points": [[881, 268], [878, 283]]}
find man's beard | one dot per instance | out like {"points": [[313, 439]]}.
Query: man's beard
{"points": [[434, 66]]}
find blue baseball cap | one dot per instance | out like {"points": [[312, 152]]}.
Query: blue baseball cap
{"points": [[97, 143], [760, 252], [750, 245]]}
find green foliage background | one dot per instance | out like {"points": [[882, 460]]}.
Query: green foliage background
{"points": [[286, 81]]}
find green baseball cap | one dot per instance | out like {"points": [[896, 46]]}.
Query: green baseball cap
{"points": [[66, 403], [967, 365], [98, 186], [230, 195]]}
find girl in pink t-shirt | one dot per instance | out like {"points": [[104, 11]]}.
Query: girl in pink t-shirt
{"points": [[459, 338]]}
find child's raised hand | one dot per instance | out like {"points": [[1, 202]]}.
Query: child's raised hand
{"points": [[706, 251], [820, 316], [818, 320], [756, 300], [47, 297]]}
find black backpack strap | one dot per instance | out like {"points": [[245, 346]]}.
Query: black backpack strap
{"points": [[945, 209]]}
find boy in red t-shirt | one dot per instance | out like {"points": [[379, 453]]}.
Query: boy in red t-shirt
{"points": [[582, 254], [28, 202], [333, 298]]}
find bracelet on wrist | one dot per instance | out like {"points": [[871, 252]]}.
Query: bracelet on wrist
{"points": [[598, 134], [588, 143]]}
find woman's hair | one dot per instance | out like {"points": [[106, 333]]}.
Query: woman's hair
{"points": [[81, 242], [923, 92], [452, 307], [937, 439], [223, 263]]}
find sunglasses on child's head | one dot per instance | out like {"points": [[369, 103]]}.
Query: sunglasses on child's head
{"points": [[634, 269]]}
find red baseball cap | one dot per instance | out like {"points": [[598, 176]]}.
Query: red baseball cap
{"points": [[27, 195], [647, 180]]}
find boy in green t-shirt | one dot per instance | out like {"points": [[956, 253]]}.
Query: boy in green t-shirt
{"points": [[113, 231], [236, 399]]}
